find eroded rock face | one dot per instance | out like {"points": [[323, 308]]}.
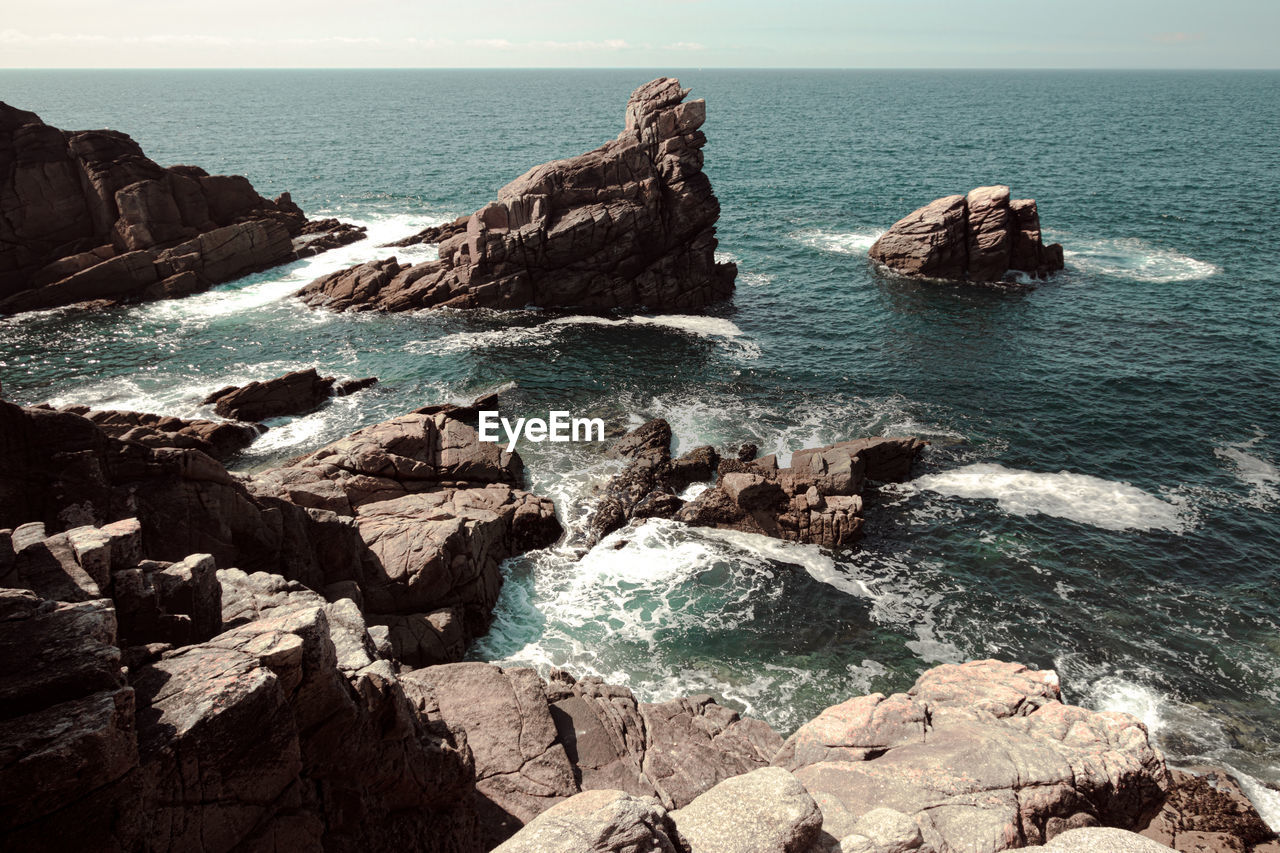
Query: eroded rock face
{"points": [[978, 237], [85, 215], [631, 224], [538, 743], [1207, 810], [816, 500], [286, 731], [983, 756], [294, 393]]}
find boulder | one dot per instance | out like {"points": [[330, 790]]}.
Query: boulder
{"points": [[1101, 838], [628, 225], [86, 216], [765, 811], [597, 822], [979, 237], [983, 757]]}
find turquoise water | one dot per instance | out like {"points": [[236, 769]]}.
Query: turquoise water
{"points": [[1101, 495]]}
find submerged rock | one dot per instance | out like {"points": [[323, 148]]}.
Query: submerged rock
{"points": [[293, 393], [630, 224], [978, 237], [86, 216]]}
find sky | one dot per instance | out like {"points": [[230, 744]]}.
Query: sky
{"points": [[643, 34]]}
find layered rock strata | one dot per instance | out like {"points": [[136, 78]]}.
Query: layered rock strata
{"points": [[979, 237], [86, 216], [294, 393], [815, 500], [629, 225], [219, 439]]}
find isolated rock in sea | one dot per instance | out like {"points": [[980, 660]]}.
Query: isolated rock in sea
{"points": [[86, 216], [978, 237], [816, 500], [631, 224], [219, 439], [293, 393]]}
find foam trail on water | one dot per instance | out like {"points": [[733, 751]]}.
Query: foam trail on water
{"points": [[273, 285], [1131, 258], [723, 331], [1078, 497], [838, 242], [1262, 477]]}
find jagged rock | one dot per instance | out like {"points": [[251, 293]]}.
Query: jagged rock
{"points": [[537, 743], [597, 822], [85, 215], [765, 811], [1205, 810], [979, 237], [630, 224], [815, 500], [983, 756], [219, 439], [294, 393], [432, 234]]}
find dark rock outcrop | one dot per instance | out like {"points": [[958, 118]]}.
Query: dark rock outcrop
{"points": [[631, 224], [412, 518], [816, 500], [86, 216], [219, 439], [978, 237], [1205, 810], [294, 393], [432, 234], [285, 731]]}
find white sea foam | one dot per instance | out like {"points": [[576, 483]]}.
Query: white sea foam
{"points": [[1261, 476], [718, 329], [1131, 258], [838, 242], [1079, 497]]}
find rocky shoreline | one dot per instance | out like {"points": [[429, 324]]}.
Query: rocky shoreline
{"points": [[86, 217], [195, 659]]}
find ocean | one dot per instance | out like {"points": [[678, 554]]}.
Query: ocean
{"points": [[1101, 494]]}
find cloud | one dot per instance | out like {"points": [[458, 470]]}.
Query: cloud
{"points": [[493, 44], [686, 45], [1176, 38]]}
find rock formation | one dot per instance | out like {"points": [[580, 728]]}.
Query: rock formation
{"points": [[978, 237], [86, 216], [219, 439], [293, 393], [631, 224], [160, 706], [410, 518], [816, 500]]}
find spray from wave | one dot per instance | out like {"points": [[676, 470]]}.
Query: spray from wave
{"points": [[1134, 259], [838, 242]]}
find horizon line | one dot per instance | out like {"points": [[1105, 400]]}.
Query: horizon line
{"points": [[1023, 68]]}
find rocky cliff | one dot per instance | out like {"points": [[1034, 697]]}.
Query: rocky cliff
{"points": [[629, 225], [86, 216], [976, 237]]}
